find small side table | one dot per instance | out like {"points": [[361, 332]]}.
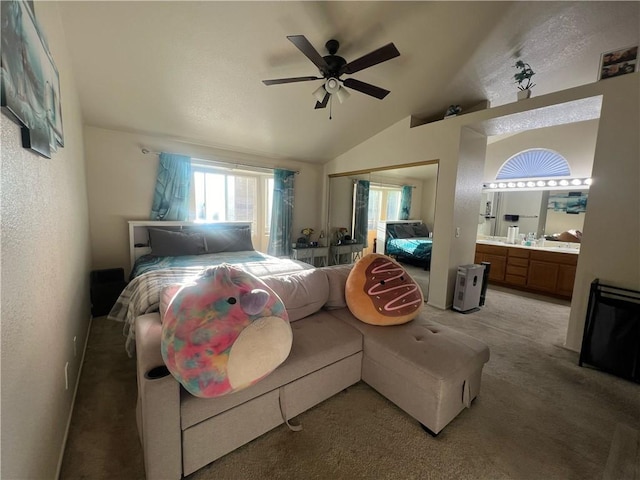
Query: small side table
{"points": [[105, 288], [347, 253], [316, 256]]}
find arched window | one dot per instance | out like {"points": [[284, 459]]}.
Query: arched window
{"points": [[534, 163]]}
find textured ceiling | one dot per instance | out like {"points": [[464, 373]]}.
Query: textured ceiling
{"points": [[192, 70]]}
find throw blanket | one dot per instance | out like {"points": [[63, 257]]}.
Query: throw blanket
{"points": [[142, 294]]}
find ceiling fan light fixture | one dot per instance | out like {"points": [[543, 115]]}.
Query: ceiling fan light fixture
{"points": [[343, 94], [319, 93], [332, 85]]}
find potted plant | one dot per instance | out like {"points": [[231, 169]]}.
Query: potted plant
{"points": [[523, 79], [307, 232]]}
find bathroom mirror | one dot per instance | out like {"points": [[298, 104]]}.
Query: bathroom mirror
{"points": [[542, 212]]}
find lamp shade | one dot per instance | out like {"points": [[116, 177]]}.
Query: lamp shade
{"points": [[319, 93], [343, 94]]}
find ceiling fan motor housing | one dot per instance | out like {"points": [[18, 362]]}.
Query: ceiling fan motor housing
{"points": [[335, 63]]}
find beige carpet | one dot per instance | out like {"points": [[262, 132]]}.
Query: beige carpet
{"points": [[538, 416]]}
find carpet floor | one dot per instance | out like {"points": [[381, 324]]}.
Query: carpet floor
{"points": [[538, 416]]}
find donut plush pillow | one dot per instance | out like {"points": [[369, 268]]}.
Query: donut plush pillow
{"points": [[224, 332], [380, 292]]}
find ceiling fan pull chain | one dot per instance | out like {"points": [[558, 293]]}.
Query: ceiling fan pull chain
{"points": [[330, 106]]}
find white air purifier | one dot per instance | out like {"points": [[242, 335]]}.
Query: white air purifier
{"points": [[466, 297]]}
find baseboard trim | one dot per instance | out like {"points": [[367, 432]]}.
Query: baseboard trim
{"points": [[73, 401]]}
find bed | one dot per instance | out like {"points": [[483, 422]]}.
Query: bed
{"points": [[406, 240], [170, 253]]}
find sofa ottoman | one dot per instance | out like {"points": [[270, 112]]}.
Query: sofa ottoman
{"points": [[428, 370]]}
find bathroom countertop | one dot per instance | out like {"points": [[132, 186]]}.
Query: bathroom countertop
{"points": [[549, 246]]}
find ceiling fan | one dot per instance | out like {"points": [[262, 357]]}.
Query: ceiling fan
{"points": [[332, 67]]}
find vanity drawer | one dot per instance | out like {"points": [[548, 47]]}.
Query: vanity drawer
{"points": [[520, 262], [491, 249], [516, 280], [515, 270], [555, 257], [518, 252]]}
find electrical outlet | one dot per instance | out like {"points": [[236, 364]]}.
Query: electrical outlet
{"points": [[75, 348], [66, 376], [457, 232]]}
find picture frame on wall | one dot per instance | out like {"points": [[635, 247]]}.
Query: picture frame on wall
{"points": [[618, 62], [30, 82]]}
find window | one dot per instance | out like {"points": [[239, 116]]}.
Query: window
{"points": [[234, 196], [534, 163], [384, 204]]}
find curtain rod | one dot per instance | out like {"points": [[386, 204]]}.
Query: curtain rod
{"points": [[146, 151], [380, 184]]}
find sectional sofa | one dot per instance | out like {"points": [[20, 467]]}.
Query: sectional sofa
{"points": [[430, 371]]}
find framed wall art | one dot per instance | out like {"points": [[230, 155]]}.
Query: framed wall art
{"points": [[618, 62], [568, 202], [30, 83]]}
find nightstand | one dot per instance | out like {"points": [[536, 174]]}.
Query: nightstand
{"points": [[316, 256], [346, 253]]}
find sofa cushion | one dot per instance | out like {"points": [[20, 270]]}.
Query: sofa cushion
{"points": [[318, 341], [337, 275], [419, 349], [303, 293]]}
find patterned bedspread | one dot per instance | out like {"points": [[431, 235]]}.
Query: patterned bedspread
{"points": [[142, 294], [148, 263], [416, 247]]}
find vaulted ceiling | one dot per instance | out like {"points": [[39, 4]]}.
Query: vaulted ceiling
{"points": [[193, 71]]}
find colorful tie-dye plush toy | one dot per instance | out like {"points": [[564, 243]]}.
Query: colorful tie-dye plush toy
{"points": [[224, 332]]}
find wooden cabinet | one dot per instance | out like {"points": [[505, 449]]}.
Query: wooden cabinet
{"points": [[552, 272], [517, 266], [542, 276], [497, 256], [528, 269], [566, 279]]}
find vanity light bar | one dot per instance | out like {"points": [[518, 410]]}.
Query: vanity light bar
{"points": [[537, 184]]}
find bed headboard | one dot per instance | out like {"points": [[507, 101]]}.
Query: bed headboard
{"points": [[139, 232]]}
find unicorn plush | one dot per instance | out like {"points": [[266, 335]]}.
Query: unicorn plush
{"points": [[224, 332]]}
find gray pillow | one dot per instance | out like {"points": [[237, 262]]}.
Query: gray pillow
{"points": [[165, 243], [421, 230], [404, 231], [234, 239]]}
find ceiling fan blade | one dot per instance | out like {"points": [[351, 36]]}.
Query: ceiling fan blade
{"points": [[278, 81], [324, 102], [380, 55], [367, 88], [311, 53]]}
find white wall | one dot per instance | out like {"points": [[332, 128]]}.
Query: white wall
{"points": [[428, 207], [121, 181], [610, 249], [524, 204], [45, 280], [616, 156]]}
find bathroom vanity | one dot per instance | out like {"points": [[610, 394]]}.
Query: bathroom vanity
{"points": [[549, 270]]}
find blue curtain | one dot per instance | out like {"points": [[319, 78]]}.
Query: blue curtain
{"points": [[361, 212], [405, 202], [281, 213], [171, 197]]}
